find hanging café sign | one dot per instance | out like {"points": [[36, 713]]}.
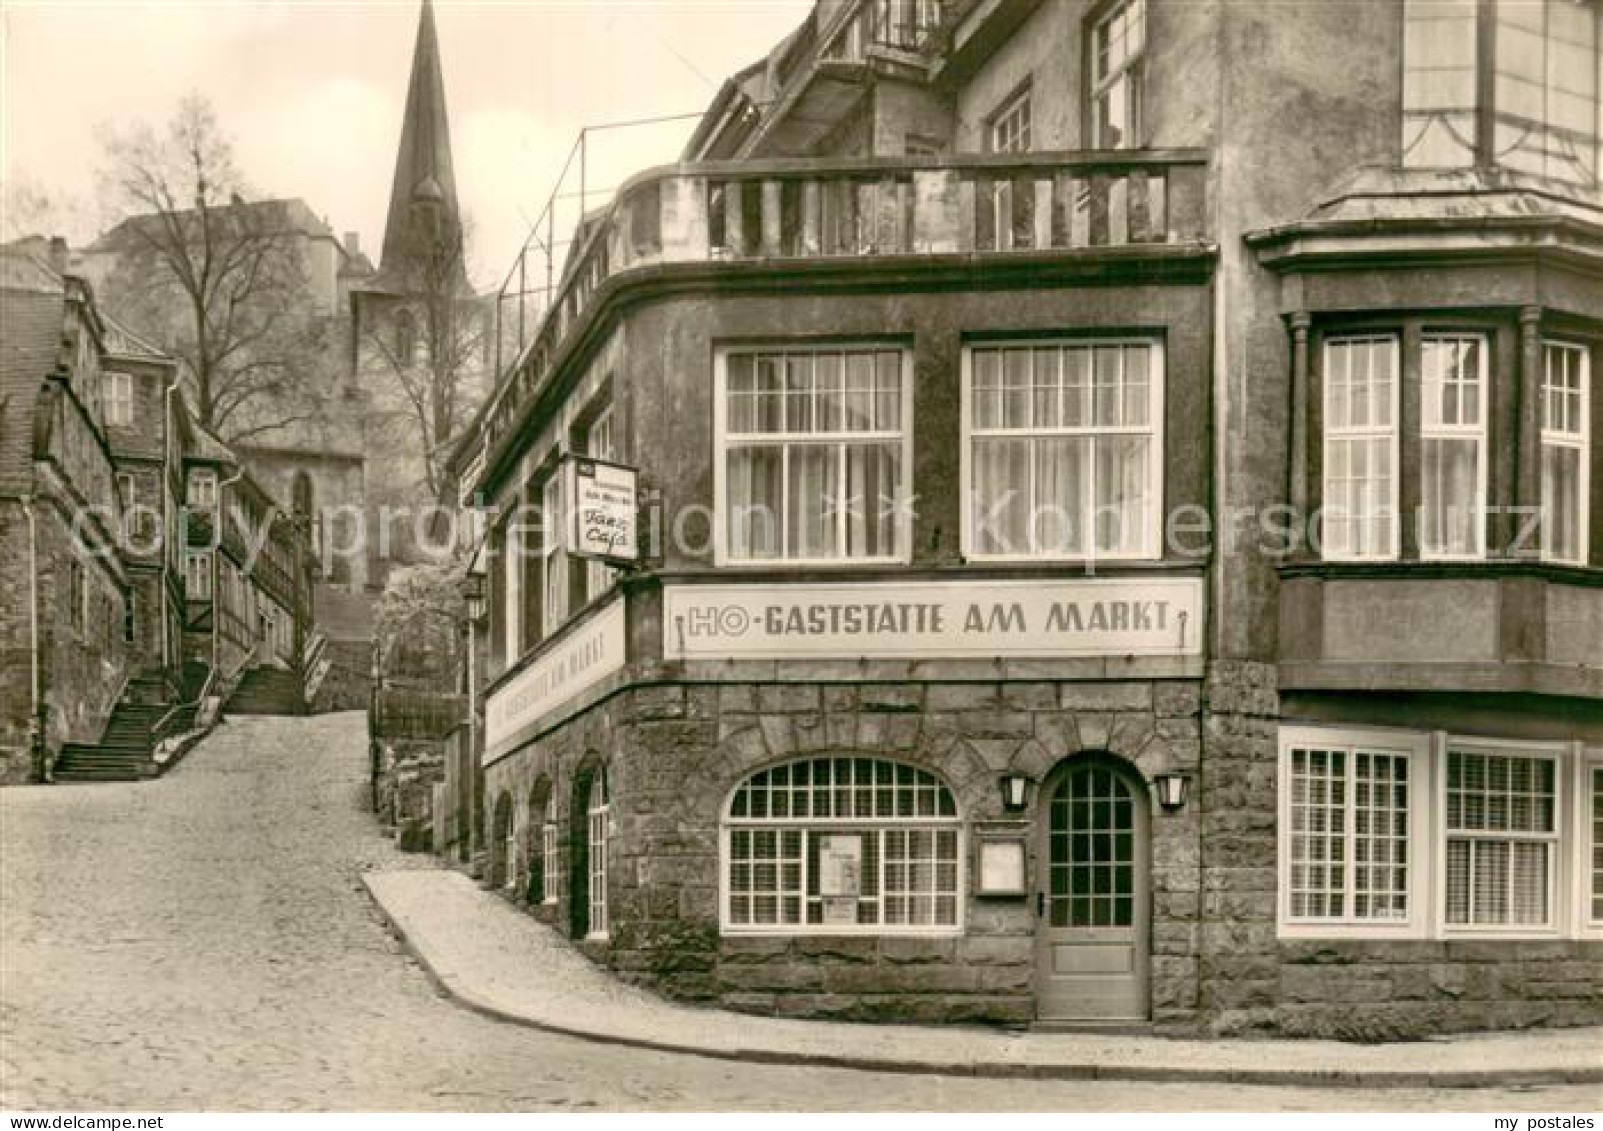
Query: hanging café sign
{"points": [[604, 517], [984, 619]]}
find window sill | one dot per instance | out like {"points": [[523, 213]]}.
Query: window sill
{"points": [[1443, 569]]}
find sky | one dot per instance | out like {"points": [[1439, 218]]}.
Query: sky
{"points": [[311, 93]]}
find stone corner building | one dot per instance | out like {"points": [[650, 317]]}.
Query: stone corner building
{"points": [[958, 328]]}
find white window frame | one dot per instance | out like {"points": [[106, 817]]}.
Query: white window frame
{"points": [[198, 566], [903, 529], [1151, 548], [1589, 836], [554, 610], [1558, 873], [512, 584], [728, 824], [601, 443], [119, 399], [202, 488], [510, 867], [1133, 64], [1362, 432], [1436, 430], [598, 817], [1416, 747], [548, 856], [1579, 441], [1569, 877], [1011, 126]]}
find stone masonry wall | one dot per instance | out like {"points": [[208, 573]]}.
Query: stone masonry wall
{"points": [[1343, 989], [675, 751]]}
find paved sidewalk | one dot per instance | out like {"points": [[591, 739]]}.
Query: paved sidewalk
{"points": [[503, 963]]}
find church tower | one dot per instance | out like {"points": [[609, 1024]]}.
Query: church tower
{"points": [[419, 333], [423, 229]]}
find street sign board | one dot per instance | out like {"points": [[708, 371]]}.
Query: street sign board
{"points": [[604, 512]]}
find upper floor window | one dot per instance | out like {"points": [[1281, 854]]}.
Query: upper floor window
{"points": [[1010, 124], [1453, 446], [813, 454], [1566, 450], [1510, 84], [1064, 449], [600, 443], [203, 488], [1118, 43], [1359, 517], [842, 846], [553, 551], [77, 597], [512, 546], [119, 399]]}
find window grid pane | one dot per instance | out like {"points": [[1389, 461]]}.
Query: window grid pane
{"points": [[1092, 851], [1597, 844], [813, 455], [1502, 828], [1566, 373], [904, 822], [1062, 444], [1359, 514]]}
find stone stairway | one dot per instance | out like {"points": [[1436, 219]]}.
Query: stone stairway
{"points": [[267, 691], [124, 750]]}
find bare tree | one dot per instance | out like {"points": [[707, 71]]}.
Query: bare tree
{"points": [[217, 281], [427, 358]]}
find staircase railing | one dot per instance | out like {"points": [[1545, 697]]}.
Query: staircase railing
{"points": [[160, 726]]}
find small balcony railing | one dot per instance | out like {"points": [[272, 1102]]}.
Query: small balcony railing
{"points": [[901, 25], [797, 209]]}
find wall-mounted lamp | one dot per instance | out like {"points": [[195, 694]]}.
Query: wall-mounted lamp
{"points": [[1172, 790], [1015, 788]]}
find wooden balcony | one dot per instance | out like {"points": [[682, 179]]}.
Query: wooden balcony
{"points": [[875, 212]]}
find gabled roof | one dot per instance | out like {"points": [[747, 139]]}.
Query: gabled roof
{"points": [[32, 339]]}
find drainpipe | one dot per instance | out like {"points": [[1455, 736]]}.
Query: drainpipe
{"points": [[36, 721], [167, 521]]}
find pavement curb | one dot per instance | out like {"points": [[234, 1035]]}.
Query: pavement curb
{"points": [[451, 986]]}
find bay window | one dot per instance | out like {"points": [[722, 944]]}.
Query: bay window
{"points": [[1452, 520], [1509, 84], [1565, 431], [814, 454], [842, 846], [1359, 517], [1064, 449]]}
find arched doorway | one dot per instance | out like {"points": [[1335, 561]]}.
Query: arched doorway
{"points": [[503, 846], [1093, 931]]}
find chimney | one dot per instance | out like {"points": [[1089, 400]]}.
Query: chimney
{"points": [[60, 258], [353, 244]]}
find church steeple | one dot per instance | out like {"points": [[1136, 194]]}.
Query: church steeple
{"points": [[423, 213]]}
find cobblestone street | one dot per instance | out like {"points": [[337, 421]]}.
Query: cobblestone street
{"points": [[203, 941]]}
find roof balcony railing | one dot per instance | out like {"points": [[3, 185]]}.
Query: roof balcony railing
{"points": [[807, 209]]}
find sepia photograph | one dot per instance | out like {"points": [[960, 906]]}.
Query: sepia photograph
{"points": [[783, 556]]}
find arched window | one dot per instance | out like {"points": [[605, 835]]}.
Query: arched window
{"points": [[405, 337], [503, 844], [543, 871], [842, 846], [597, 810]]}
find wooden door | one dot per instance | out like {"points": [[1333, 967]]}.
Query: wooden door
{"points": [[1094, 908]]}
